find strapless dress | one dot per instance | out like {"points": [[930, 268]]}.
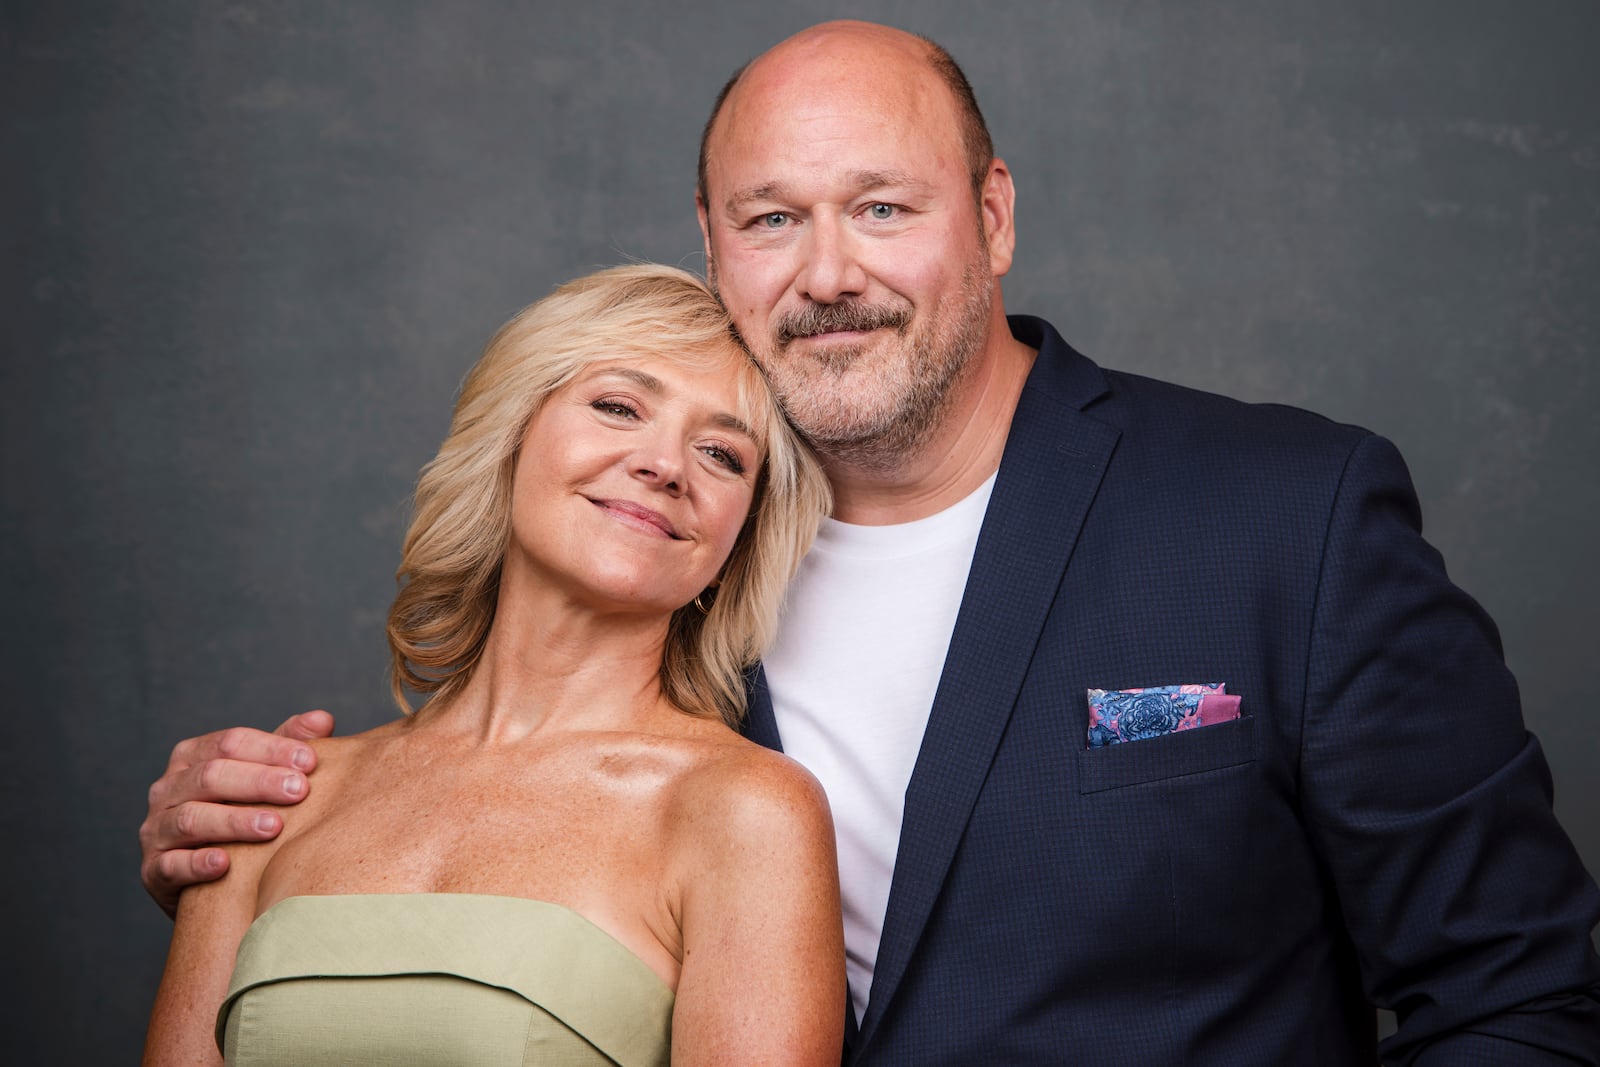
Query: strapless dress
{"points": [[462, 979]]}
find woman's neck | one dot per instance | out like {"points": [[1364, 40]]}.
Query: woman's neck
{"points": [[551, 664]]}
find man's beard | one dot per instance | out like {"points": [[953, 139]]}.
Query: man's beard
{"points": [[876, 417]]}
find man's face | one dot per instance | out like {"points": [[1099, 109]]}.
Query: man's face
{"points": [[844, 237]]}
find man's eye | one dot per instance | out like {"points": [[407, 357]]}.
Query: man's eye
{"points": [[774, 219], [881, 211]]}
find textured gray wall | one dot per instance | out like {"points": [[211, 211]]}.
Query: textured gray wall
{"points": [[249, 249]]}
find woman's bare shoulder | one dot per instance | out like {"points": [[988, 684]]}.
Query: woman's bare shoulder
{"points": [[744, 790], [337, 756], [755, 892]]}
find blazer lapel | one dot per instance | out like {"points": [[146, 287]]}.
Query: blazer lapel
{"points": [[760, 725], [1053, 463]]}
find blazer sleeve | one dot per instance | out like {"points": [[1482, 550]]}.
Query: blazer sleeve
{"points": [[1430, 803]]}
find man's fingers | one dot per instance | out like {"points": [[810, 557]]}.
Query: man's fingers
{"points": [[307, 726], [189, 826], [235, 782], [184, 813], [240, 745], [195, 803], [168, 872]]}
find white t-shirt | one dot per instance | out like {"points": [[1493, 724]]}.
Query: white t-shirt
{"points": [[866, 626]]}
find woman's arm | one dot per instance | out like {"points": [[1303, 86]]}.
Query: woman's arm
{"points": [[212, 920], [763, 942]]}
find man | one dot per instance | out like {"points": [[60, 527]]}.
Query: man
{"points": [[1153, 731]]}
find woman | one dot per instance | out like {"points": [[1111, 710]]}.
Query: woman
{"points": [[566, 855]]}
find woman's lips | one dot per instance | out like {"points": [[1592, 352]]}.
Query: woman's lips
{"points": [[639, 516]]}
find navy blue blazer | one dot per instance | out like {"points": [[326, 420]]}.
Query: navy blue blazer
{"points": [[1376, 827]]}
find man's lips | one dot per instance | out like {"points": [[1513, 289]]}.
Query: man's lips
{"points": [[832, 335], [640, 517]]}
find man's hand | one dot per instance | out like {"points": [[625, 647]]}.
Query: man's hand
{"points": [[194, 804]]}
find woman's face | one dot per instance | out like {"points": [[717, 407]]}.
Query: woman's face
{"points": [[633, 482]]}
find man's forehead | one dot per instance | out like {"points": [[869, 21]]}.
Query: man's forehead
{"points": [[855, 68], [765, 123], [840, 95]]}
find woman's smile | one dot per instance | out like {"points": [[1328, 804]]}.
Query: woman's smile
{"points": [[640, 517]]}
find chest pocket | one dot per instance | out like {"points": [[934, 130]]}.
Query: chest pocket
{"points": [[1154, 759]]}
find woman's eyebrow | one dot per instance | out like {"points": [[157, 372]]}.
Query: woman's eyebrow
{"points": [[650, 383], [640, 378], [733, 422]]}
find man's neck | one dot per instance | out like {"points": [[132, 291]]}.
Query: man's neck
{"points": [[960, 455]]}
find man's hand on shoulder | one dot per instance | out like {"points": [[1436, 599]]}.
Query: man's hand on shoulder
{"points": [[195, 804]]}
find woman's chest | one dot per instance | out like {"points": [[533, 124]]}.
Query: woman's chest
{"points": [[564, 831]]}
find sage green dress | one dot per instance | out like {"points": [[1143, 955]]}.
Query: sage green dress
{"points": [[439, 978]]}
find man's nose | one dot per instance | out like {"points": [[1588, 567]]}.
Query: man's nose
{"points": [[831, 269]]}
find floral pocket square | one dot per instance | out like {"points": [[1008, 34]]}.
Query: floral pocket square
{"points": [[1117, 715]]}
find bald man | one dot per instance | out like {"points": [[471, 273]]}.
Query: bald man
{"points": [[1153, 731]]}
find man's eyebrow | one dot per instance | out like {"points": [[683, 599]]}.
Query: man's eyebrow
{"points": [[859, 182], [769, 191], [650, 383], [867, 180]]}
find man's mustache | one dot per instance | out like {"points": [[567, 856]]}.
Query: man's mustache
{"points": [[845, 315]]}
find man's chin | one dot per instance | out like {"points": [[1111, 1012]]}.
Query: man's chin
{"points": [[834, 417]]}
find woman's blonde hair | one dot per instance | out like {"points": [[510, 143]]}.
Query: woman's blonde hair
{"points": [[449, 572]]}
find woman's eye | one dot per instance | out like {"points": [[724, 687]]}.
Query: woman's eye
{"points": [[614, 407], [725, 457], [881, 211]]}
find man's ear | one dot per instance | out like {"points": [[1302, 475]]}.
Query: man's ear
{"points": [[705, 227], [997, 207]]}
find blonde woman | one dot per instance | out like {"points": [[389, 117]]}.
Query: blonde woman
{"points": [[567, 855]]}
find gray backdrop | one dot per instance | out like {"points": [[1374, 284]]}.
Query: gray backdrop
{"points": [[250, 248]]}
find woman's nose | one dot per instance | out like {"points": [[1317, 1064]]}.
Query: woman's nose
{"points": [[661, 464]]}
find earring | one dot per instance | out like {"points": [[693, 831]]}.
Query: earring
{"points": [[699, 602]]}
